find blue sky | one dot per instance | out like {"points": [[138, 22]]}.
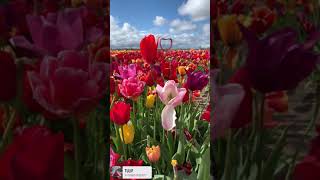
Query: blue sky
{"points": [[185, 21]]}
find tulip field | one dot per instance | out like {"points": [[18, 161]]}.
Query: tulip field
{"points": [[266, 67], [160, 110]]}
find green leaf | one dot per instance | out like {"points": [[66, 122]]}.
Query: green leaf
{"points": [[161, 177], [253, 172], [180, 154], [274, 157], [204, 169]]}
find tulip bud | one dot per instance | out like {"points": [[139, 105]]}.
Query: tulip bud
{"points": [[187, 134], [153, 153], [128, 133], [229, 30], [150, 100], [187, 168], [182, 70], [174, 162]]}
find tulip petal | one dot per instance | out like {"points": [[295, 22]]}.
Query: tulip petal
{"points": [[48, 66], [225, 108], [176, 101], [93, 34], [169, 89], [70, 27], [168, 117], [22, 42], [74, 60], [35, 24]]}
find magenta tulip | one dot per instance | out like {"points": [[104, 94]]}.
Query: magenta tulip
{"points": [[68, 84]]}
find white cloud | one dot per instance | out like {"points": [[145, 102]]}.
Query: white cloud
{"points": [[178, 25], [126, 36], [197, 9], [206, 29], [190, 40], [159, 21]]}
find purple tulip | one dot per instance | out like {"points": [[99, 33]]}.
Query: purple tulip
{"points": [[56, 32], [197, 80], [69, 84], [278, 62], [127, 71]]}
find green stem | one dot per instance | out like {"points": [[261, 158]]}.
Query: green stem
{"points": [[135, 124], [316, 109], [119, 141], [124, 144], [227, 168], [261, 119], [154, 128], [76, 134], [8, 130]]}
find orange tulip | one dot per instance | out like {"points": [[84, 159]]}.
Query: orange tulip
{"points": [[153, 153]]}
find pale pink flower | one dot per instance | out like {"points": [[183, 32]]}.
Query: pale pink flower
{"points": [[171, 96]]}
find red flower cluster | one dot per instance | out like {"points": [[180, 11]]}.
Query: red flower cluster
{"points": [[36, 154]]}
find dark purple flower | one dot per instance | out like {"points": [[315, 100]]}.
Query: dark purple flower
{"points": [[197, 80], [56, 32], [69, 84], [278, 62]]}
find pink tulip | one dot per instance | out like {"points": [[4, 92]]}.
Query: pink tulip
{"points": [[227, 100], [171, 96], [131, 88]]}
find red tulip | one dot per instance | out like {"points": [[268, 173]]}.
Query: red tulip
{"points": [[120, 113], [148, 48], [262, 19], [169, 69], [35, 154], [307, 169], [206, 114], [112, 85], [8, 71], [277, 101]]}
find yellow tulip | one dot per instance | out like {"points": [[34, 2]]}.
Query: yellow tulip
{"points": [[128, 133], [153, 153], [174, 162], [229, 30], [150, 100]]}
